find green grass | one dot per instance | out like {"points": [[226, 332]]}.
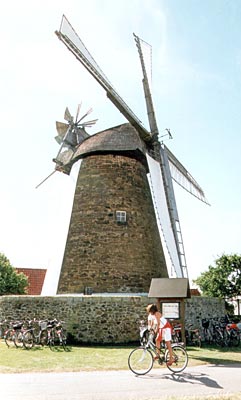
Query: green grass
{"points": [[96, 358]]}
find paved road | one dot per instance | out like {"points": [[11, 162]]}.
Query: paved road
{"points": [[122, 385]]}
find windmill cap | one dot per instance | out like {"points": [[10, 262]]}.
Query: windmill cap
{"points": [[119, 138]]}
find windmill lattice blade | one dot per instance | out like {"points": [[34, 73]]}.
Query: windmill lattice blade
{"points": [[61, 128], [85, 115], [181, 176], [146, 50], [72, 41], [58, 140], [141, 46], [77, 113], [163, 217], [89, 123], [67, 116]]}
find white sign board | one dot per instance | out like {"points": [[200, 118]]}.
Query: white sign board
{"points": [[171, 310]]}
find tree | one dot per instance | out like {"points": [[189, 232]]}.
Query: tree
{"points": [[222, 280], [10, 281]]}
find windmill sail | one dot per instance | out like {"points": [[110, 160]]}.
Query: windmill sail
{"points": [[163, 196], [146, 87], [181, 176], [72, 41], [163, 216], [62, 130]]}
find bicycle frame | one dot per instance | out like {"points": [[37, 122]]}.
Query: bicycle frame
{"points": [[141, 359], [161, 352]]}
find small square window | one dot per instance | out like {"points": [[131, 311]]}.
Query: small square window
{"points": [[121, 216]]}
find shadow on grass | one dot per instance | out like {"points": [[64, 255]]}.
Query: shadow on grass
{"points": [[37, 348], [219, 356], [219, 362], [34, 348], [60, 349]]}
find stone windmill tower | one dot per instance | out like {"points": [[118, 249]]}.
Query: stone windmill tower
{"points": [[123, 191], [113, 243]]}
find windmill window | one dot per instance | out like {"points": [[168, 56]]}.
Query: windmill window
{"points": [[121, 217]]}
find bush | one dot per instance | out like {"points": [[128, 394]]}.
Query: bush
{"points": [[10, 281]]}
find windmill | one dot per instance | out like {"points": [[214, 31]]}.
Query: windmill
{"points": [[146, 148], [69, 136]]}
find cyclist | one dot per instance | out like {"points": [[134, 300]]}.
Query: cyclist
{"points": [[162, 328], [151, 319]]}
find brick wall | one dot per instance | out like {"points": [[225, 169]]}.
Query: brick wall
{"points": [[36, 278]]}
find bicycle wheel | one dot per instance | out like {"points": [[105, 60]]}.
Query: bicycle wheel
{"points": [[180, 359], [19, 339], [140, 361], [51, 339], [9, 338], [208, 338], [28, 340], [63, 341], [198, 341], [219, 339], [43, 338], [234, 339]]}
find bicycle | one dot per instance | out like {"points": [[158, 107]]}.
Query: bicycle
{"points": [[141, 359], [177, 333], [218, 333], [35, 334], [193, 337], [13, 335], [4, 326], [207, 333], [57, 335], [232, 335]]}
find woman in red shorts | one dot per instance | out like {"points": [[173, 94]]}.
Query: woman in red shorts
{"points": [[162, 327]]}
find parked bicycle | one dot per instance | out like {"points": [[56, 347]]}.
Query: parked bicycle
{"points": [[207, 332], [56, 334], [193, 337], [141, 359], [221, 332], [218, 329], [36, 334], [4, 325], [232, 337], [177, 333], [33, 332], [13, 336]]}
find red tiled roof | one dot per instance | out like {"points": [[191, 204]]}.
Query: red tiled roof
{"points": [[35, 279], [195, 292]]}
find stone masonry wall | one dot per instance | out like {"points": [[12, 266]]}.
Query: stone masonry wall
{"points": [[100, 252], [101, 319], [198, 308]]}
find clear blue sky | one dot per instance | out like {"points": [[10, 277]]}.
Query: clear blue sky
{"points": [[196, 91]]}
